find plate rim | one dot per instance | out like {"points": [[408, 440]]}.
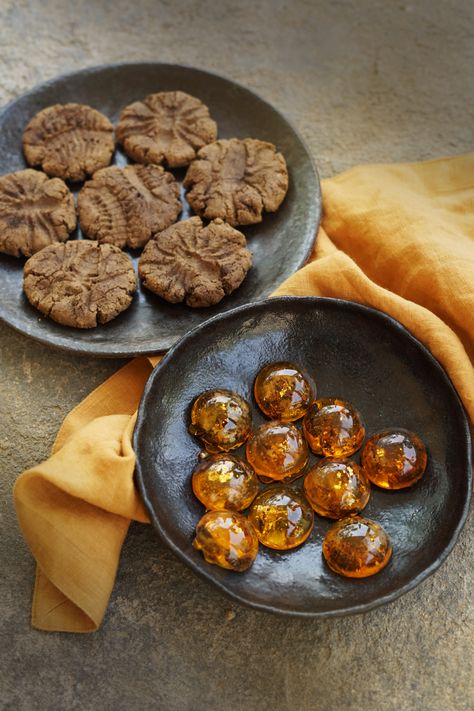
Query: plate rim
{"points": [[208, 575], [87, 348]]}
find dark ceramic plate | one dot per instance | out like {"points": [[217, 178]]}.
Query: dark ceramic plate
{"points": [[353, 352], [280, 244]]}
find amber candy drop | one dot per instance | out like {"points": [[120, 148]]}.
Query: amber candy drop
{"points": [[282, 517], [277, 451], [356, 547], [337, 488], [282, 391], [223, 481], [394, 459], [227, 539], [333, 428], [221, 419]]}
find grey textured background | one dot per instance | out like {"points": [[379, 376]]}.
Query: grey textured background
{"points": [[362, 81]]}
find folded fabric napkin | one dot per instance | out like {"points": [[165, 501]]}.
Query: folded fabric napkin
{"points": [[399, 238]]}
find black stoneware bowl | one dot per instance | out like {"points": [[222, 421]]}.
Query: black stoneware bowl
{"points": [[355, 353], [280, 244]]}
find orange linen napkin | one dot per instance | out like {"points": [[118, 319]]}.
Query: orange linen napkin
{"points": [[399, 238]]}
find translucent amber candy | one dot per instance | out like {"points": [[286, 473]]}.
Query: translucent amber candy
{"points": [[221, 419], [282, 391], [223, 481], [282, 517], [356, 547], [333, 428], [277, 451], [394, 459], [227, 539], [337, 488]]}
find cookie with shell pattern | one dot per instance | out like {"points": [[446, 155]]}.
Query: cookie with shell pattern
{"points": [[170, 127], [35, 211], [195, 263], [80, 283], [69, 141], [127, 206], [237, 180]]}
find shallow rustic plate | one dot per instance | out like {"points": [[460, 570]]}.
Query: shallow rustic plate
{"points": [[355, 353], [280, 244]]}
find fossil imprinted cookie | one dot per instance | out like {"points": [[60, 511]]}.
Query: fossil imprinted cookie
{"points": [[197, 264], [236, 180], [169, 126], [35, 211], [128, 206], [80, 283], [70, 141]]}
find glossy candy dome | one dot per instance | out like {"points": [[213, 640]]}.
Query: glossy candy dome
{"points": [[282, 517], [222, 481], [337, 488], [333, 428], [394, 459], [221, 419], [356, 547], [282, 391], [227, 539], [277, 451]]}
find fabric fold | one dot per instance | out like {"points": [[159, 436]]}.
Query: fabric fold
{"points": [[75, 508]]}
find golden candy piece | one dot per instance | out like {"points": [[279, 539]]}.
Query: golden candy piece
{"points": [[277, 451], [221, 419], [282, 391], [282, 517], [394, 459], [227, 539], [333, 428], [337, 488], [222, 481], [356, 547]]}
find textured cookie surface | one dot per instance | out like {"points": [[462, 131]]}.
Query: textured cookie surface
{"points": [[127, 206], [237, 180], [197, 264], [169, 126], [35, 211], [70, 141], [80, 283]]}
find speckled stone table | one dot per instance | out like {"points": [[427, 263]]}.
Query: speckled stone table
{"points": [[362, 80]]}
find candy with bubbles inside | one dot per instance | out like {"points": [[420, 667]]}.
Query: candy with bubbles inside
{"points": [[333, 428], [282, 517], [394, 458], [282, 391], [356, 547], [226, 539], [277, 451], [223, 481], [221, 419], [337, 488]]}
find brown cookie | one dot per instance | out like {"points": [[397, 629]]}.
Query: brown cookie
{"points": [[80, 283], [197, 264], [128, 206], [170, 126], [236, 180], [35, 211], [69, 141]]}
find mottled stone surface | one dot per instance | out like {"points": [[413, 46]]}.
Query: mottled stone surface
{"points": [[363, 81]]}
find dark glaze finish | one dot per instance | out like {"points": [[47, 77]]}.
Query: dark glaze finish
{"points": [[280, 244], [355, 353]]}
